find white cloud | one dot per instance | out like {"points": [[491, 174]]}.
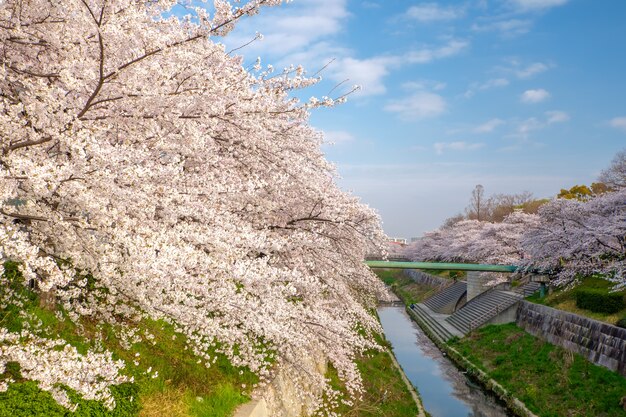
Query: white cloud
{"points": [[424, 85], [525, 127], [488, 126], [304, 33], [432, 12], [619, 123], [494, 82], [520, 70], [440, 147], [290, 28], [533, 5], [368, 73], [517, 20], [370, 5], [535, 96], [529, 125], [532, 69], [337, 137], [556, 116], [417, 106], [507, 27], [426, 55], [487, 85]]}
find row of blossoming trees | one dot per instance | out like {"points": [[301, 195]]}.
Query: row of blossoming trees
{"points": [[571, 238], [134, 148]]}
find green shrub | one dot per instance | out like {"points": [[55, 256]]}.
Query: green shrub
{"points": [[621, 322], [599, 301]]}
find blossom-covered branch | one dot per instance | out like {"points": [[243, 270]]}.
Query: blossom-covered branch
{"points": [[191, 189]]}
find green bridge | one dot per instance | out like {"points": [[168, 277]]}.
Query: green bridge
{"points": [[441, 265]]}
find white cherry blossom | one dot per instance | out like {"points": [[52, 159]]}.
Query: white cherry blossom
{"points": [[193, 191]]}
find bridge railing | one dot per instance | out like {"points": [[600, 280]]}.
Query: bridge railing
{"points": [[441, 266], [478, 321]]}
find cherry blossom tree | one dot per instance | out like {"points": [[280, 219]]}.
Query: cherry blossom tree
{"points": [[476, 241], [569, 238], [500, 243], [615, 175], [580, 238], [193, 190]]}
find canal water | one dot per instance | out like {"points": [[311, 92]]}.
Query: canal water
{"points": [[445, 391]]}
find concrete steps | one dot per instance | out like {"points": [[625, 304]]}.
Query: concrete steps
{"points": [[423, 315], [481, 309], [528, 289], [444, 301]]}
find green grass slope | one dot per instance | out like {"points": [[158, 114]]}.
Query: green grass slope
{"points": [[169, 381], [565, 299], [550, 380]]}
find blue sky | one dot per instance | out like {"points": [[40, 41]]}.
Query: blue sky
{"points": [[516, 95]]}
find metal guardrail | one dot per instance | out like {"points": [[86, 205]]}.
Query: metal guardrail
{"points": [[478, 321], [521, 291]]}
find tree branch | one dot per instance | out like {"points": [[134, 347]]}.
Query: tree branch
{"points": [[25, 144], [101, 79], [23, 216]]}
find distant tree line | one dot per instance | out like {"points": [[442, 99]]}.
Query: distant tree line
{"points": [[580, 232]]}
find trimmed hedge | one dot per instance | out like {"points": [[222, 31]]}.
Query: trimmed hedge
{"points": [[599, 301]]}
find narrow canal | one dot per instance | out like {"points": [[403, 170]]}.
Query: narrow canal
{"points": [[444, 390]]}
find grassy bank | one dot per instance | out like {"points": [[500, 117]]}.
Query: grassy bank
{"points": [[168, 380], [551, 381], [386, 394], [565, 299], [404, 287]]}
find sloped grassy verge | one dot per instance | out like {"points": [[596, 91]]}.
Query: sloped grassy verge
{"points": [[549, 380], [386, 394], [169, 381]]}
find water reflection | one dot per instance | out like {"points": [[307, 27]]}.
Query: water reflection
{"points": [[445, 391]]}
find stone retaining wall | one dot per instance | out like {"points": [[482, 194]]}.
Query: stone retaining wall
{"points": [[601, 343], [424, 278]]}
